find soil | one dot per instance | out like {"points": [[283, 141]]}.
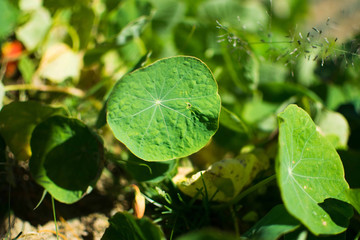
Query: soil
{"points": [[86, 219]]}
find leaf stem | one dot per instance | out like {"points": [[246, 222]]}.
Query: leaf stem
{"points": [[236, 221], [54, 213], [45, 88]]}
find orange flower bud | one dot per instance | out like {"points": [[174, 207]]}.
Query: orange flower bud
{"points": [[9, 52], [139, 202]]}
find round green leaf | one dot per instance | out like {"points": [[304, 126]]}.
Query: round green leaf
{"points": [[167, 110], [309, 170], [67, 157]]}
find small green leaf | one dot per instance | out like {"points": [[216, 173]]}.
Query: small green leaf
{"points": [[18, 120], [275, 224], [67, 157], [125, 227], [167, 110], [27, 68], [309, 170]]}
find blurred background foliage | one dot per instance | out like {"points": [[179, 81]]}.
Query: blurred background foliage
{"points": [[262, 53]]}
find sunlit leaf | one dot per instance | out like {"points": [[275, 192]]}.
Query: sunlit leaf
{"points": [[167, 110], [309, 170], [59, 63], [335, 127], [32, 33], [223, 180]]}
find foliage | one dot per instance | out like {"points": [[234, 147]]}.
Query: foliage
{"points": [[199, 103]]}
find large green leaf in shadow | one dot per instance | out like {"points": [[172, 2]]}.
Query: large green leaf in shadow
{"points": [[67, 157], [309, 170], [169, 109]]}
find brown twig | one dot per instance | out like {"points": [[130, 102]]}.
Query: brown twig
{"points": [[46, 88]]}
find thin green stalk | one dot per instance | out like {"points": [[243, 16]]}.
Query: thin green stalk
{"points": [[9, 205], [236, 221], [53, 208]]}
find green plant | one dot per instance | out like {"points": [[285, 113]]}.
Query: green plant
{"points": [[94, 72]]}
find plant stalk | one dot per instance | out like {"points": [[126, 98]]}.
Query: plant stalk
{"points": [[54, 214]]}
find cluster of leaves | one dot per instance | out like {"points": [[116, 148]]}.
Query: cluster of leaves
{"points": [[73, 77]]}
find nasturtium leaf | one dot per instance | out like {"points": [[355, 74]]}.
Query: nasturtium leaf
{"points": [[223, 180], [18, 120], [124, 226], [309, 170], [169, 109], [67, 157], [334, 127], [275, 224]]}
